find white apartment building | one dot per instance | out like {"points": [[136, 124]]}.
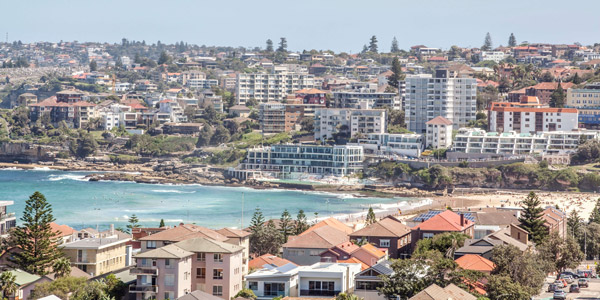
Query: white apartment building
{"points": [[112, 115], [266, 87], [495, 56], [329, 121], [530, 116], [472, 140], [200, 84], [366, 100], [439, 133], [285, 159], [406, 144], [428, 97], [173, 109]]}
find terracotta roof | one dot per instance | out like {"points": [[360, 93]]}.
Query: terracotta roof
{"points": [[439, 120], [184, 232], [535, 109], [354, 260], [233, 233], [330, 222], [387, 227], [450, 292], [310, 91], [475, 262], [268, 259], [319, 238], [372, 250], [347, 247], [551, 85], [208, 245], [62, 230], [445, 221]]}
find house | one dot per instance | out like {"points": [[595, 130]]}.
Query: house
{"points": [[326, 279], [450, 292], [512, 235], [25, 283], [271, 282], [63, 232], [347, 252], [475, 262], [239, 111], [98, 255], [388, 233], [367, 281], [439, 133], [555, 220], [447, 221], [544, 90], [7, 219], [306, 248], [487, 222], [268, 260]]}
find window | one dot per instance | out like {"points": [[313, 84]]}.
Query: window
{"points": [[368, 285], [169, 279], [201, 273], [151, 245], [274, 289], [201, 257], [321, 285], [217, 290], [253, 285], [170, 295], [315, 252], [384, 243], [217, 273], [169, 263], [218, 257], [427, 235]]}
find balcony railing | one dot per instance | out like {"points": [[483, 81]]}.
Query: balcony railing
{"points": [[319, 293], [143, 288], [144, 270], [273, 293]]}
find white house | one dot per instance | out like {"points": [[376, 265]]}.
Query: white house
{"points": [[439, 133], [272, 282], [326, 279]]}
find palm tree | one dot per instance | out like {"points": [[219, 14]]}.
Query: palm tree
{"points": [[8, 284], [62, 267]]}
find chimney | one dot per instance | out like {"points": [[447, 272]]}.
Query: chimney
{"points": [[112, 229], [462, 220]]}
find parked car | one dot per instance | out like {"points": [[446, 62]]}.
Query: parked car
{"points": [[584, 273], [567, 277], [560, 294], [552, 287], [559, 284], [574, 288], [569, 273], [583, 282]]}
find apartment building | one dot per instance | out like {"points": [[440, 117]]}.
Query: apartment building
{"points": [[495, 56], [69, 96], [75, 114], [98, 255], [544, 90], [366, 100], [587, 102], [472, 140], [194, 264], [439, 133], [285, 159], [275, 86], [530, 116], [240, 238], [407, 144], [200, 84], [428, 97], [7, 220], [277, 117], [348, 121]]}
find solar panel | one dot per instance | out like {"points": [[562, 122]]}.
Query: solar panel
{"points": [[432, 213]]}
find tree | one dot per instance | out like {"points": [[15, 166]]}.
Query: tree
{"points": [[547, 77], [512, 41], [282, 45], [307, 124], [62, 267], [561, 253], [204, 136], [395, 48], [8, 284], [407, 280], [365, 49], [532, 220], [35, 238], [210, 114], [576, 79], [397, 74], [349, 296], [269, 47], [93, 66], [162, 223], [221, 136], [373, 44], [558, 97], [264, 239], [301, 223], [133, 223], [595, 215], [574, 223], [258, 220], [503, 287], [371, 218], [286, 225], [164, 58], [487, 43], [523, 267], [246, 294], [86, 145]]}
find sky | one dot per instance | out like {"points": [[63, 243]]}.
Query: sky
{"points": [[342, 26]]}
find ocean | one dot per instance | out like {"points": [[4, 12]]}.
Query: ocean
{"points": [[80, 203]]}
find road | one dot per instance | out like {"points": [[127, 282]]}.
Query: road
{"points": [[591, 293]]}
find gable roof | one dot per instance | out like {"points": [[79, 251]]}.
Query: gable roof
{"points": [[233, 233], [330, 222], [387, 227], [208, 245], [371, 250], [319, 238], [445, 221], [354, 260], [23, 278], [268, 259], [168, 251], [504, 236], [450, 292], [475, 262], [184, 232], [439, 120], [61, 230]]}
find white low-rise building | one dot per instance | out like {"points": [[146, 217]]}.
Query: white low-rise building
{"points": [[473, 140], [326, 279], [407, 144], [530, 116], [495, 56], [272, 282], [439, 133]]}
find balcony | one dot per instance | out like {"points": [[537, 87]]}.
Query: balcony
{"points": [[142, 270], [326, 293], [143, 289]]}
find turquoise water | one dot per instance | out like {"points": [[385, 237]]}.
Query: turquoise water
{"points": [[80, 203]]}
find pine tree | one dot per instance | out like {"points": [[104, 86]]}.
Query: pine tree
{"points": [[397, 75], [371, 218], [595, 215], [258, 220], [531, 218], [557, 99], [269, 47], [365, 49], [164, 58], [93, 66], [162, 223], [282, 45], [487, 44], [35, 237], [285, 225], [373, 44], [301, 223], [512, 41], [395, 48], [133, 223], [574, 223], [577, 79]]}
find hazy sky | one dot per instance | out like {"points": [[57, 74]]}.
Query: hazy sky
{"points": [[307, 24]]}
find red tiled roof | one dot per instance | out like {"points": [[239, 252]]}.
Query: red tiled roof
{"points": [[62, 230], [551, 85], [388, 227], [439, 120], [184, 232], [330, 222], [320, 238], [445, 221], [475, 262], [268, 259], [354, 260]]}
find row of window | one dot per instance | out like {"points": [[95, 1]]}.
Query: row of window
{"points": [[217, 273]]}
